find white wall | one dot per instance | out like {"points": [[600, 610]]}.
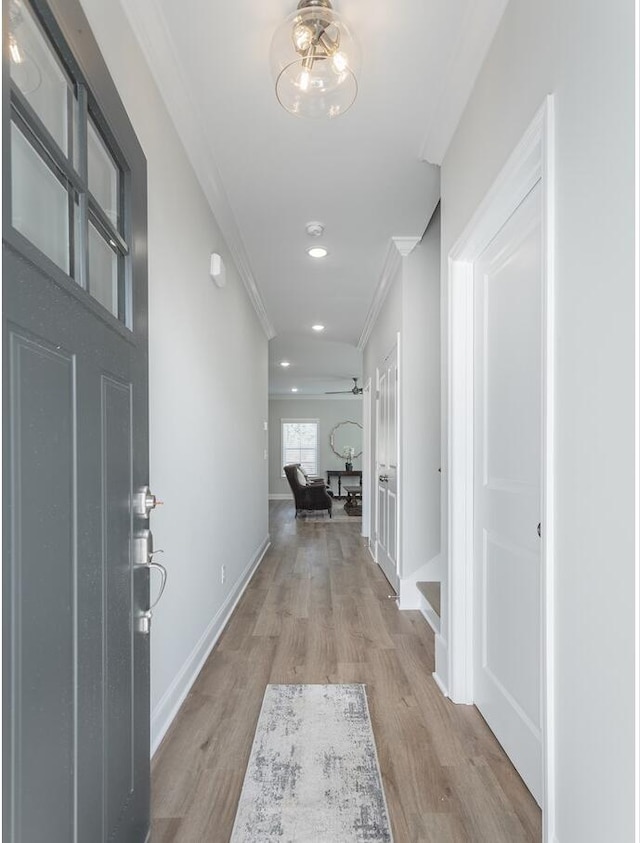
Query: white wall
{"points": [[208, 389], [412, 308], [329, 413], [421, 404], [382, 339], [583, 53]]}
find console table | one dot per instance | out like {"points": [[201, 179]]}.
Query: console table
{"points": [[340, 474]]}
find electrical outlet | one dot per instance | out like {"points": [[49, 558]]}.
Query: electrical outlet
{"points": [[223, 573]]}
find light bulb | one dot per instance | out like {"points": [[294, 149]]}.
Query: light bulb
{"points": [[340, 62], [303, 81], [14, 50], [302, 38]]}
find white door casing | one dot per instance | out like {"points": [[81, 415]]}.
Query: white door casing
{"points": [[387, 452], [367, 509], [507, 449], [532, 161]]}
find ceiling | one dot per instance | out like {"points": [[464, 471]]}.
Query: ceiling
{"points": [[364, 175]]}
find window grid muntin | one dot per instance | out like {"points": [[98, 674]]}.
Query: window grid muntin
{"points": [[51, 48], [309, 466], [76, 172]]}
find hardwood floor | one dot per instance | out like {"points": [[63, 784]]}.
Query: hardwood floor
{"points": [[317, 610]]}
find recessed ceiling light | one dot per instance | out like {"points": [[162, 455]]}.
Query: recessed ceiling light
{"points": [[294, 389], [285, 363], [317, 327], [317, 252]]}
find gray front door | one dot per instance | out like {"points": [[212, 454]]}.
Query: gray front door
{"points": [[76, 655]]}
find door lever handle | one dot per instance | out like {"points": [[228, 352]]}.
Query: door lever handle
{"points": [[163, 578], [144, 554], [383, 478]]}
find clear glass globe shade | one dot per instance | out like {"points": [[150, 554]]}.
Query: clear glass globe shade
{"points": [[314, 62]]}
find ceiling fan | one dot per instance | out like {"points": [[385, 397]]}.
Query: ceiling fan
{"points": [[355, 389]]}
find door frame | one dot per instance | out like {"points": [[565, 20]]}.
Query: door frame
{"points": [[374, 458], [531, 162], [366, 459]]}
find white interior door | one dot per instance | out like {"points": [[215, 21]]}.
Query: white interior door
{"points": [[366, 460], [508, 437], [387, 469]]}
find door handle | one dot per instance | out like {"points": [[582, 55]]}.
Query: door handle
{"points": [[144, 554], [384, 478], [163, 579], [539, 530]]}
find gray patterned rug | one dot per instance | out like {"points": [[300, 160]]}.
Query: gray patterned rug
{"points": [[313, 774]]}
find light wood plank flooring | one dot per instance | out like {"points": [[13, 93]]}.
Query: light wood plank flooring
{"points": [[317, 610]]}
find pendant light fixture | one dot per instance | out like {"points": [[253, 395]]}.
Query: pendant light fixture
{"points": [[314, 60]]}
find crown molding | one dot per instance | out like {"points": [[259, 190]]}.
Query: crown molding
{"points": [[399, 247], [322, 396], [405, 245], [477, 31], [152, 34]]}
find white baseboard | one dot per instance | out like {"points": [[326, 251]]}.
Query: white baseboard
{"points": [[441, 673], [440, 684], [410, 596], [428, 613], [280, 497], [164, 713]]}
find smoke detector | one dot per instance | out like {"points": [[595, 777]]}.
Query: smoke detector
{"points": [[314, 229]]}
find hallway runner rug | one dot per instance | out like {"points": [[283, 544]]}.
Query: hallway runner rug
{"points": [[313, 774]]}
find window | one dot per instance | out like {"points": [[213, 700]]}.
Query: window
{"points": [[68, 179], [300, 443]]}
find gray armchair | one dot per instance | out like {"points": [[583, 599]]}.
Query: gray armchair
{"points": [[310, 496]]}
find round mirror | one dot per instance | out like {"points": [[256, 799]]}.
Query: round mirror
{"points": [[346, 440]]}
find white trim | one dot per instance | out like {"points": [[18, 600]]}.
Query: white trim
{"points": [[301, 396], [399, 450], [152, 33], [547, 132], [406, 245], [390, 268], [164, 713], [428, 613], [531, 161], [440, 684], [366, 459], [280, 497]]}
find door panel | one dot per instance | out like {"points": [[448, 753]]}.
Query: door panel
{"points": [[118, 572], [508, 447], [386, 469], [42, 409], [76, 447]]}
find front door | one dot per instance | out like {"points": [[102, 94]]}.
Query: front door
{"points": [[508, 447], [76, 439], [387, 469]]}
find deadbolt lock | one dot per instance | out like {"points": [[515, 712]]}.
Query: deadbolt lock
{"points": [[145, 501]]}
